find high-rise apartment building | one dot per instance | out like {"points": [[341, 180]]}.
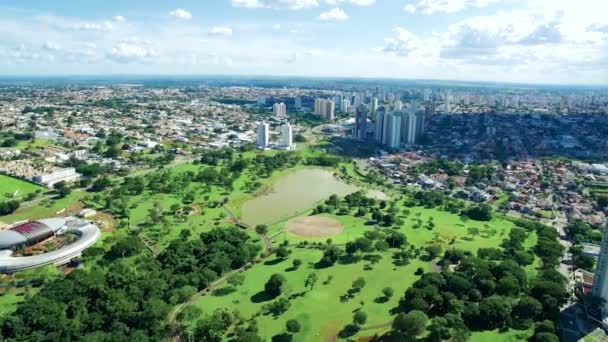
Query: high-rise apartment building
{"points": [[373, 107], [263, 135], [600, 279], [298, 102], [287, 135], [279, 110], [399, 128], [392, 130], [325, 109], [345, 105], [360, 127]]}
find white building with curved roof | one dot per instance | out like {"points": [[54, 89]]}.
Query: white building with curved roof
{"points": [[32, 232]]}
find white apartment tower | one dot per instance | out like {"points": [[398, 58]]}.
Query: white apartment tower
{"points": [[600, 279], [263, 135], [325, 109], [279, 110], [374, 106], [392, 130], [287, 135]]}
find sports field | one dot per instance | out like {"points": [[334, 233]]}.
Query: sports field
{"points": [[14, 188]]}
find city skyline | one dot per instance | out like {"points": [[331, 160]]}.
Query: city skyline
{"points": [[512, 41]]}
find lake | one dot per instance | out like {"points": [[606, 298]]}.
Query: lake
{"points": [[292, 194]]}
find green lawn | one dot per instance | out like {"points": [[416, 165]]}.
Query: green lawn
{"points": [[497, 336], [45, 209], [14, 188], [320, 311], [9, 301]]}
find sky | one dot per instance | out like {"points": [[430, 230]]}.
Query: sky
{"points": [[527, 41]]}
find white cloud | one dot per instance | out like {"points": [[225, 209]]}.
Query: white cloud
{"points": [[276, 27], [403, 43], [100, 27], [353, 2], [276, 4], [445, 6], [120, 19], [181, 14], [51, 46], [127, 51], [336, 14], [220, 31]]}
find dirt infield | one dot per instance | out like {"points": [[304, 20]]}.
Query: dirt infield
{"points": [[314, 226]]}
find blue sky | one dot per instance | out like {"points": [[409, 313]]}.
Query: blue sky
{"points": [[535, 41]]}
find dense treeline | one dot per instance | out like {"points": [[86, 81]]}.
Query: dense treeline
{"points": [[8, 207], [487, 291], [128, 299]]}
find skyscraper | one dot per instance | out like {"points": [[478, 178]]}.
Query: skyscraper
{"points": [[379, 131], [287, 135], [397, 105], [263, 135], [600, 279], [392, 130], [298, 102], [373, 106], [360, 127], [345, 105], [279, 110], [325, 109]]}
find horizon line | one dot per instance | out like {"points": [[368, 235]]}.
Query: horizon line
{"points": [[278, 76]]}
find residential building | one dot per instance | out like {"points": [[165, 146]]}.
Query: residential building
{"points": [[373, 106], [287, 135], [600, 280], [360, 126], [263, 135], [279, 110], [325, 109]]}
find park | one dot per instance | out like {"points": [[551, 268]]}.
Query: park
{"points": [[328, 234]]}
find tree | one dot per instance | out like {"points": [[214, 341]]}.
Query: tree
{"points": [[100, 184], [360, 317], [261, 229], [311, 280], [359, 283], [411, 324], [236, 279], [296, 263], [388, 292], [62, 189], [545, 337], [330, 256], [433, 251], [439, 329], [282, 252], [276, 285], [293, 326], [494, 312], [482, 212]]}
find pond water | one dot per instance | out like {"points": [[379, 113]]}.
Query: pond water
{"points": [[293, 194]]}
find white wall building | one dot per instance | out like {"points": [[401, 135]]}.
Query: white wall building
{"points": [[279, 110], [64, 175], [325, 109], [287, 136]]}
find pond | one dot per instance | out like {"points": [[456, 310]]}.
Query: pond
{"points": [[293, 194]]}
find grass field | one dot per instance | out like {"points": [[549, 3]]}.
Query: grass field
{"points": [[14, 188], [320, 310], [9, 301], [47, 208]]}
